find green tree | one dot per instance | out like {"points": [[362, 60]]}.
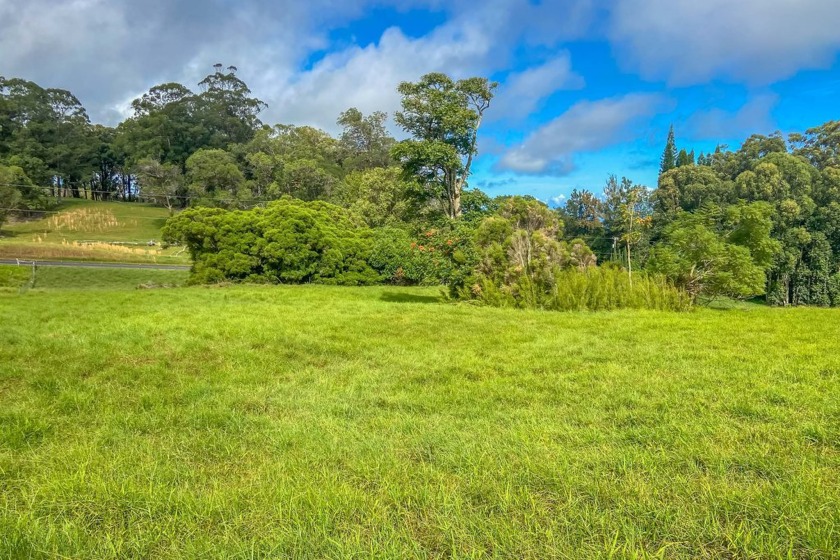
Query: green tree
{"points": [[669, 155], [582, 216], [161, 182], [685, 158], [379, 195], [713, 252], [213, 178], [364, 141], [288, 241], [11, 178], [227, 109], [443, 117]]}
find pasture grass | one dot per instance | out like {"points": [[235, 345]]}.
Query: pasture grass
{"points": [[92, 230], [325, 422]]}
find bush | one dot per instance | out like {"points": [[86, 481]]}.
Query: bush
{"points": [[289, 241], [522, 263], [395, 256]]}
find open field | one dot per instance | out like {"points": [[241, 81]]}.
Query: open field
{"points": [[310, 421], [88, 230]]}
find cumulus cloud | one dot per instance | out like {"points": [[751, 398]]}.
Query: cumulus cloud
{"points": [[367, 77], [757, 41], [107, 51], [110, 51], [753, 116], [522, 92], [585, 127]]}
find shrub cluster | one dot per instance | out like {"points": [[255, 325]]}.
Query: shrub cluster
{"points": [[288, 241]]}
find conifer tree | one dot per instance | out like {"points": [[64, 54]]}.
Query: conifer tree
{"points": [[669, 156]]}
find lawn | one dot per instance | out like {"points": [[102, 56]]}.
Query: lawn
{"points": [[89, 230], [324, 422]]}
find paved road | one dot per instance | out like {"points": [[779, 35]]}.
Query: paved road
{"points": [[90, 264]]}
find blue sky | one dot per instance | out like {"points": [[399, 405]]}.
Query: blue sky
{"points": [[587, 87]]}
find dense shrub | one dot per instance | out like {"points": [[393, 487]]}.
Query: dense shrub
{"points": [[289, 241], [395, 256], [521, 262], [439, 255]]}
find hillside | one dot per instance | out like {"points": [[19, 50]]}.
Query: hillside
{"points": [[89, 230]]}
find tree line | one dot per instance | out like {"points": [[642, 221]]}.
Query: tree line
{"points": [[287, 203]]}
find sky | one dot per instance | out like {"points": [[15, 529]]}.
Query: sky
{"points": [[587, 88]]}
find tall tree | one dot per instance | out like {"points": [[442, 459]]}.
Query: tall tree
{"points": [[669, 156], [364, 142], [443, 117]]}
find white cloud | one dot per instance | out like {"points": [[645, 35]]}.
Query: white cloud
{"points": [[367, 78], [585, 127], [753, 116], [556, 201], [106, 50], [757, 41], [522, 92]]}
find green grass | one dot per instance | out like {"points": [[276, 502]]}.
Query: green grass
{"points": [[88, 230], [78, 278], [321, 422]]}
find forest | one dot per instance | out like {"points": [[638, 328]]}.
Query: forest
{"points": [[254, 202]]}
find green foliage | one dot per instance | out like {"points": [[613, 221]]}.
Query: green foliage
{"points": [[602, 288], [711, 253], [379, 195], [214, 179], [395, 255], [364, 141], [288, 241], [9, 191], [298, 161], [521, 262], [162, 183], [443, 117]]}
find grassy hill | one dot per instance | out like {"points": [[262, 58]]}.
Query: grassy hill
{"points": [[323, 422], [89, 230]]}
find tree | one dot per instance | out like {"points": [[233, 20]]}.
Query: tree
{"points": [[300, 161], [162, 182], [379, 195], [227, 109], [634, 221], [820, 145], [685, 158], [364, 142], [583, 216], [214, 178], [10, 180], [669, 156], [715, 252], [288, 241], [443, 117]]}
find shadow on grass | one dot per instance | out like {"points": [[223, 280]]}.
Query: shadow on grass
{"points": [[399, 297]]}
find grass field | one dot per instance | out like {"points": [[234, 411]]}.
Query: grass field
{"points": [[88, 230], [86, 279], [320, 422]]}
